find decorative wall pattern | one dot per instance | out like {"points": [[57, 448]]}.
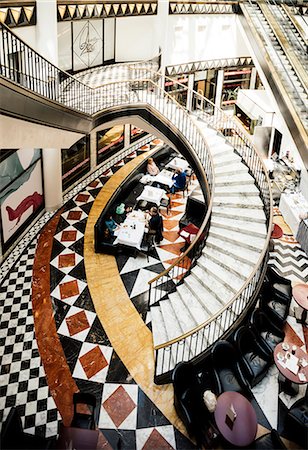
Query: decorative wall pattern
{"points": [[87, 44], [18, 16], [104, 10], [21, 192], [210, 64], [201, 8]]}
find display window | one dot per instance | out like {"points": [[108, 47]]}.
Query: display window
{"points": [[136, 133], [75, 162]]}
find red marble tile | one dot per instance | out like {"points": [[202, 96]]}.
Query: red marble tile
{"points": [[69, 235], [173, 248], [156, 441], [74, 215], [77, 323], [175, 204], [171, 236], [93, 362], [82, 198], [94, 184], [68, 260], [170, 224], [58, 374], [119, 405], [69, 289]]}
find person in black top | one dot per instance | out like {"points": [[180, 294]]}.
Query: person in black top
{"points": [[156, 225]]}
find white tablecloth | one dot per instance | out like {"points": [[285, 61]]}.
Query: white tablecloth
{"points": [[178, 163], [130, 232], [152, 194], [164, 177], [291, 206]]}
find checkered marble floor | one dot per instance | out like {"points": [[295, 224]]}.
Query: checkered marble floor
{"points": [[126, 416]]}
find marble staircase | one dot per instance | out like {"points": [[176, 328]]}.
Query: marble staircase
{"points": [[235, 241]]}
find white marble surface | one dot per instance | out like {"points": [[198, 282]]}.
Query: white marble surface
{"points": [[266, 394], [291, 206]]}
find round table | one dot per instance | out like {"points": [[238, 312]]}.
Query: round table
{"points": [[300, 295], [245, 425], [299, 353]]}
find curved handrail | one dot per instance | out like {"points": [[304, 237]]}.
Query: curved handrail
{"points": [[267, 203]]}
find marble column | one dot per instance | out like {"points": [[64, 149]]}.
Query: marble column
{"points": [[52, 172], [253, 78], [191, 79], [219, 85], [162, 21], [46, 30], [126, 135]]}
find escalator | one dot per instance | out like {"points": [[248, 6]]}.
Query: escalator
{"points": [[279, 50]]}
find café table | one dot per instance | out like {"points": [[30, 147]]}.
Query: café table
{"points": [[244, 428], [131, 231], [287, 358], [152, 194], [300, 295], [164, 177], [177, 163]]}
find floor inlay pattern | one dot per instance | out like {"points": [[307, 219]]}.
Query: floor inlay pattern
{"points": [[126, 416]]}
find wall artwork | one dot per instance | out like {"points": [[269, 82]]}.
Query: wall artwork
{"points": [[75, 161], [109, 142], [87, 44], [21, 191]]}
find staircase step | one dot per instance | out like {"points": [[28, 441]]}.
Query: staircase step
{"points": [[245, 189], [214, 293], [224, 276], [231, 169], [158, 326], [222, 159], [182, 312], [244, 255], [251, 215], [172, 324], [230, 263], [254, 228], [195, 307], [249, 242], [239, 201], [234, 180]]}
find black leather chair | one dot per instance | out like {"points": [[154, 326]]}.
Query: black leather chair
{"points": [[13, 436], [269, 441], [276, 308], [255, 360], [189, 405], [228, 374], [280, 286], [83, 419], [269, 335], [297, 421]]}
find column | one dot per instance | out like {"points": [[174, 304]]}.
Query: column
{"points": [[93, 151], [219, 84], [52, 173], [126, 135], [162, 35], [46, 30], [190, 84], [253, 78]]}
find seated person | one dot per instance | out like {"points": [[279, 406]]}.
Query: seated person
{"points": [[152, 168], [155, 224], [179, 181], [111, 225], [120, 214]]}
